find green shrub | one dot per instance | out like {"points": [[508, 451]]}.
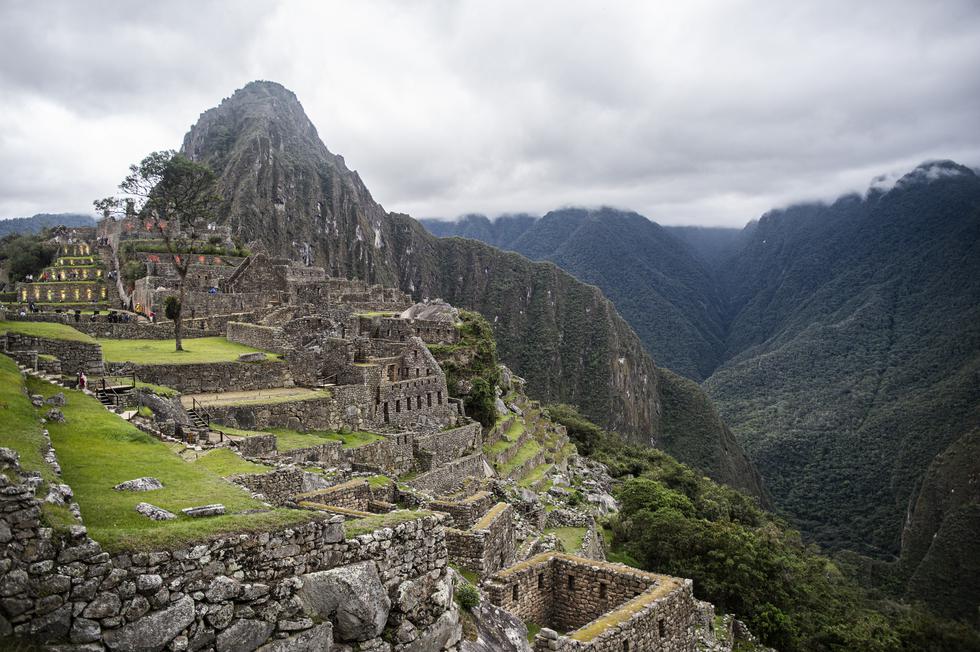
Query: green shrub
{"points": [[468, 596]]}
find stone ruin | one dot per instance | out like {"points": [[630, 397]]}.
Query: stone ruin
{"points": [[346, 355]]}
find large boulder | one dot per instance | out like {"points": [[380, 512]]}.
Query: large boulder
{"points": [[244, 636], [153, 631], [496, 631], [318, 639], [154, 513], [444, 633], [350, 596], [139, 484]]}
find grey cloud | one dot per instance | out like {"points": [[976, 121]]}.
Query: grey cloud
{"points": [[695, 112]]}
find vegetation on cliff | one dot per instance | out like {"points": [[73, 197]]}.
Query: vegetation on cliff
{"points": [[744, 560], [471, 367]]}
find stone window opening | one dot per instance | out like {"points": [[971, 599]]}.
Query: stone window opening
{"points": [[603, 594], [418, 400], [571, 582], [398, 406], [540, 580], [428, 399], [626, 646], [387, 417], [439, 395], [662, 628], [514, 593]]}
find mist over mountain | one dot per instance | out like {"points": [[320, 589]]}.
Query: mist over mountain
{"points": [[285, 192], [840, 341]]}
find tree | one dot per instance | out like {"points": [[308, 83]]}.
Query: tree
{"points": [[173, 192]]}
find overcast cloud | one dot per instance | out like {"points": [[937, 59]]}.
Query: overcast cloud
{"points": [[687, 112]]}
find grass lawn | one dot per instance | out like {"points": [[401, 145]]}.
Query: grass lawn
{"points": [[536, 474], [98, 450], [200, 349], [571, 537], [44, 329], [527, 451], [287, 440], [21, 429], [224, 462]]}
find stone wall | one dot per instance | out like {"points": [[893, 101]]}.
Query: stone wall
{"points": [[140, 331], [73, 356], [400, 330], [448, 445], [278, 487], [451, 476], [233, 592], [327, 454], [211, 376], [356, 494], [257, 446], [267, 338], [341, 408], [393, 455], [576, 595], [464, 513], [488, 546]]}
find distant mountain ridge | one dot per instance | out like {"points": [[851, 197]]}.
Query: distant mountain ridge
{"points": [[659, 283], [287, 193], [847, 352], [36, 223]]}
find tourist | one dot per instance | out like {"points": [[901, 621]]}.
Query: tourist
{"points": [[82, 380]]}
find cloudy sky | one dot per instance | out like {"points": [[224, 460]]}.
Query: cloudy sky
{"points": [[688, 112]]}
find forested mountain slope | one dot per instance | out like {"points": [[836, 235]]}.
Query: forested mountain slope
{"points": [[287, 193], [849, 352], [856, 360], [657, 282]]}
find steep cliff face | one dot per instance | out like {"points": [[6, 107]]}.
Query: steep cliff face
{"points": [[284, 189], [940, 549]]}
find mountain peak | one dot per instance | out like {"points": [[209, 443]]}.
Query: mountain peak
{"points": [[923, 173]]}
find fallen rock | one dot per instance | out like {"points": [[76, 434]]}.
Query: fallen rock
{"points": [[516, 410], [139, 484], [154, 513], [153, 631], [244, 636], [352, 595], [258, 356], [501, 407], [37, 400], [57, 400], [216, 509], [54, 414]]}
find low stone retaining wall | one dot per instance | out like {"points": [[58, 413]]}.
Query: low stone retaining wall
{"points": [[342, 408], [277, 486], [603, 607], [464, 513], [139, 330], [448, 445], [393, 455], [233, 592], [73, 356], [488, 546], [257, 446], [451, 476], [356, 494], [268, 338], [326, 454], [209, 377]]}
